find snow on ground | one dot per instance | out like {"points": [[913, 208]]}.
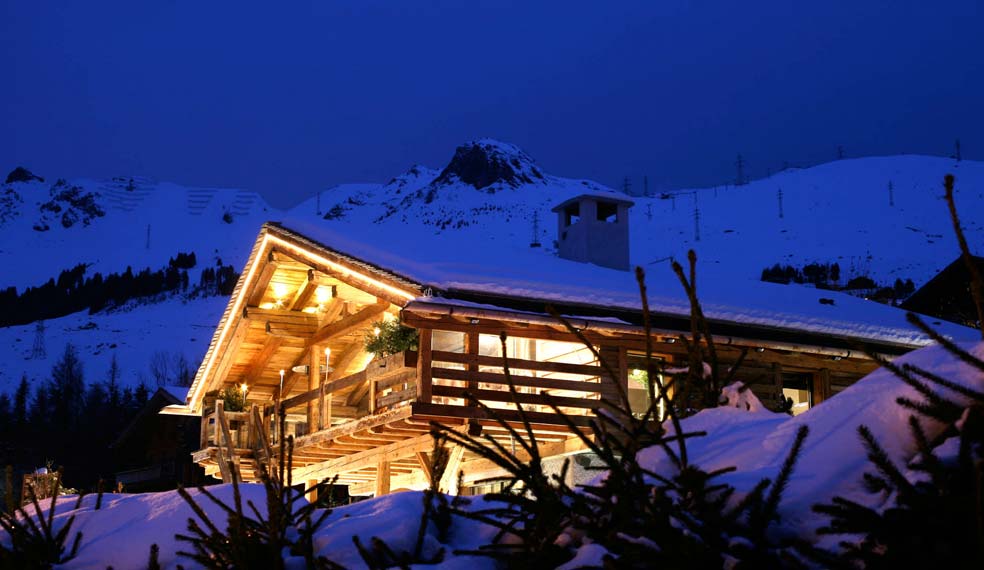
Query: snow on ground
{"points": [[756, 442], [121, 533], [833, 456]]}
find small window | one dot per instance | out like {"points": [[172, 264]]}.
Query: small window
{"points": [[798, 387], [638, 389], [572, 214], [607, 212]]}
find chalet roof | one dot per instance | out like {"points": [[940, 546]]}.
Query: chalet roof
{"points": [[606, 196], [946, 294], [470, 266]]}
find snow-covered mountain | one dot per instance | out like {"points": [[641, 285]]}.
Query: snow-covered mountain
{"points": [[880, 216]]}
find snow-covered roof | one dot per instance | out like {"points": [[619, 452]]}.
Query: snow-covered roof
{"points": [[468, 262], [179, 393], [617, 197]]}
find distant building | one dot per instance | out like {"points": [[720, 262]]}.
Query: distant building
{"points": [[153, 452], [947, 295]]}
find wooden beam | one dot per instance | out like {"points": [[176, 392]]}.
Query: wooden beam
{"points": [[349, 323], [280, 316], [304, 292], [368, 458], [349, 428], [424, 366], [289, 331], [424, 460], [382, 478], [262, 281], [314, 382], [449, 411], [415, 480], [228, 355], [480, 468], [821, 386], [449, 480], [261, 359]]}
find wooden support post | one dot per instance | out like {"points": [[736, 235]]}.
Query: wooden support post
{"points": [[311, 490], [471, 347], [821, 386], [204, 430], [623, 374], [777, 382], [449, 481], [424, 460], [327, 411], [314, 381], [424, 366], [382, 478], [321, 406], [233, 475], [372, 395]]}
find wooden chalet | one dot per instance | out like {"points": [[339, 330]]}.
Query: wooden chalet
{"points": [[366, 419], [947, 295]]}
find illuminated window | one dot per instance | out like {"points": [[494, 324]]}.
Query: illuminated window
{"points": [[638, 391], [798, 387]]}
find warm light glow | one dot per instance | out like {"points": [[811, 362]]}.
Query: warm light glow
{"points": [[261, 248], [322, 294], [376, 331], [279, 290], [244, 388], [345, 271], [327, 353]]}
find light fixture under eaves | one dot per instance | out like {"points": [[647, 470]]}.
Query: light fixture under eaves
{"points": [[303, 369]]}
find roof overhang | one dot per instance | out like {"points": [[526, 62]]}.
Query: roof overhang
{"points": [[273, 237]]}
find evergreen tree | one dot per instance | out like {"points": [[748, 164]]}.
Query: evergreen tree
{"points": [[20, 403], [68, 389], [40, 408], [113, 394]]}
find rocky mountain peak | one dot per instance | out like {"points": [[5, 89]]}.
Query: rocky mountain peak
{"points": [[21, 174], [486, 162]]}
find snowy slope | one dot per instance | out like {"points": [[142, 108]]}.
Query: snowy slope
{"points": [[443, 224], [837, 211], [177, 218]]}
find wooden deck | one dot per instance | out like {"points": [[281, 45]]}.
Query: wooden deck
{"points": [[393, 434]]}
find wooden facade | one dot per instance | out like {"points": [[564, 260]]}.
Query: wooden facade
{"points": [[367, 419]]}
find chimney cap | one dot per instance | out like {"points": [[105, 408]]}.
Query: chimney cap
{"points": [[600, 196]]}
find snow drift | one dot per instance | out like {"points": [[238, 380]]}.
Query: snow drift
{"points": [[749, 438]]}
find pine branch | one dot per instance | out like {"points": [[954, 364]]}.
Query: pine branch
{"points": [[976, 281]]}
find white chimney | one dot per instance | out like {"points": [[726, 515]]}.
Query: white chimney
{"points": [[594, 228]]}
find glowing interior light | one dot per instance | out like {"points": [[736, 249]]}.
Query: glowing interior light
{"points": [[279, 290], [322, 294], [244, 388], [376, 331], [327, 353]]}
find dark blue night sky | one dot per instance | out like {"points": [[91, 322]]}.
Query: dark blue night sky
{"points": [[287, 98]]}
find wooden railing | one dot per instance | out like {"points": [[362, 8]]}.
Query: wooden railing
{"points": [[394, 380], [530, 377]]}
